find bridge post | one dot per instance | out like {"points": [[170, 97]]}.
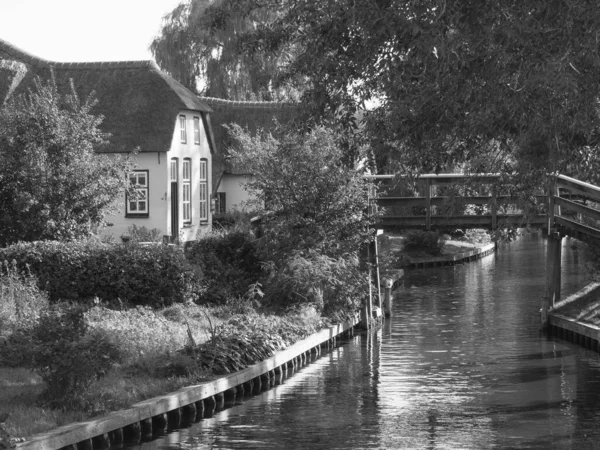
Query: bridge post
{"points": [[553, 275], [428, 204], [494, 205]]}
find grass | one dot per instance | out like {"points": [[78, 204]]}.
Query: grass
{"points": [[149, 340]]}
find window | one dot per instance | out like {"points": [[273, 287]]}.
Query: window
{"points": [[197, 130], [220, 204], [203, 190], [182, 130], [187, 191], [137, 204], [173, 170]]}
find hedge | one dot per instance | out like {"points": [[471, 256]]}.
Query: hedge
{"points": [[141, 275]]}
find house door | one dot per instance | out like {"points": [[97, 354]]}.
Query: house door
{"points": [[174, 201], [174, 212]]}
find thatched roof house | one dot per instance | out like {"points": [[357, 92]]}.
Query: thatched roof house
{"points": [[143, 109], [138, 101]]}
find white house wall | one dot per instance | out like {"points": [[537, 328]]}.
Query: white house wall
{"points": [[195, 152], [159, 195], [235, 195], [156, 165]]}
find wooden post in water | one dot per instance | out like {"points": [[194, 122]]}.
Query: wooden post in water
{"points": [[553, 277], [387, 298]]}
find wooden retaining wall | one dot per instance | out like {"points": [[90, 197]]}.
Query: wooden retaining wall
{"points": [[583, 334], [171, 411], [451, 260], [570, 329]]}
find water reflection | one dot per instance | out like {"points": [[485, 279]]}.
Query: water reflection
{"points": [[462, 364]]}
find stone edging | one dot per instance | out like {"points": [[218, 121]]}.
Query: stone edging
{"points": [[457, 258], [99, 432]]}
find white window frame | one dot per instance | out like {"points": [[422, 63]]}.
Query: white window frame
{"points": [[138, 206], [173, 170], [186, 183], [182, 129], [203, 190], [196, 130]]}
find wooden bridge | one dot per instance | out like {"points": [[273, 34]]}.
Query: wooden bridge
{"points": [[569, 207]]}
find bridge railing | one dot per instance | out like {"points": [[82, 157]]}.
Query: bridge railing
{"points": [[574, 208], [428, 201]]}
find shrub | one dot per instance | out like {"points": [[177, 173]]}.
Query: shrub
{"points": [[229, 264], [21, 301], [332, 285], [62, 351], [429, 241], [143, 234], [144, 275]]}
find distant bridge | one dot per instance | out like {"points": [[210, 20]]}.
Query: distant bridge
{"points": [[571, 208]]}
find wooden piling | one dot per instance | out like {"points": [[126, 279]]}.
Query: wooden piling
{"points": [[146, 429], [553, 277], [387, 297], [133, 432], [85, 445], [116, 436], [210, 405], [160, 423], [174, 417]]}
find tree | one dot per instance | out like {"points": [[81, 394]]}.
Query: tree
{"points": [[53, 185], [315, 214], [511, 84], [197, 45], [308, 198]]}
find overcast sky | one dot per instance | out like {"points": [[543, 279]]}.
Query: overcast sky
{"points": [[83, 30]]}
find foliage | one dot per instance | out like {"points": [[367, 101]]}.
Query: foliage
{"points": [[197, 45], [237, 220], [331, 285], [507, 86], [144, 275], [314, 212], [229, 264], [21, 301], [53, 185], [431, 242], [143, 234], [66, 355], [247, 339], [307, 197]]}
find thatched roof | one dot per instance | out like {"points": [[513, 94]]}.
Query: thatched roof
{"points": [[139, 102], [247, 114]]}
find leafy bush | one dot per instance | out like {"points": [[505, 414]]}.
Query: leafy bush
{"points": [[429, 241], [330, 284], [62, 351], [150, 275], [143, 234], [21, 301], [229, 264]]}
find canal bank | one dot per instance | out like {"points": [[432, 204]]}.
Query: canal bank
{"points": [[157, 415], [577, 318]]}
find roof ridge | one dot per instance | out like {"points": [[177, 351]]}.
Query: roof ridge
{"points": [[213, 101], [33, 60]]}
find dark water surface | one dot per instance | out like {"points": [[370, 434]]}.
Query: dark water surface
{"points": [[461, 365]]}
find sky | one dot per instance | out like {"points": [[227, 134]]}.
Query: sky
{"points": [[83, 30]]}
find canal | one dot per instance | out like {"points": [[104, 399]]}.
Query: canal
{"points": [[461, 365]]}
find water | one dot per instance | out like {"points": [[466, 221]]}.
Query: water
{"points": [[461, 365]]}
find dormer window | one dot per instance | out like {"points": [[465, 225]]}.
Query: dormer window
{"points": [[182, 130]]}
